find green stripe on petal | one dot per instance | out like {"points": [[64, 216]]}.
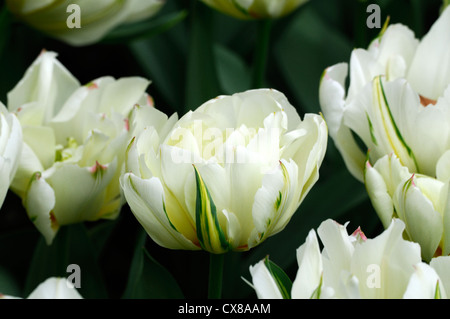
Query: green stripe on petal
{"points": [[281, 279], [372, 133], [209, 233], [393, 134]]}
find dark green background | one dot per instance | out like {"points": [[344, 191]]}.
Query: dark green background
{"points": [[192, 53]]}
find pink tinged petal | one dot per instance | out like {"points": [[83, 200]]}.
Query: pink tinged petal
{"points": [[359, 234], [39, 202], [82, 192]]}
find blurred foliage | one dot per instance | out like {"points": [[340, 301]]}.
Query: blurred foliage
{"points": [[192, 54]]}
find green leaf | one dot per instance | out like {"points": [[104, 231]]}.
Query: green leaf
{"points": [[202, 82], [147, 278], [232, 71], [307, 46], [8, 283], [144, 29], [5, 21], [282, 280]]}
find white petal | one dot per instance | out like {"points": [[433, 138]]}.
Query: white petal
{"points": [[430, 69], [146, 199], [39, 203], [422, 284], [442, 267], [263, 282], [55, 288], [309, 268]]}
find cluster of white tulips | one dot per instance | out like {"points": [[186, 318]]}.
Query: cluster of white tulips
{"points": [[231, 173]]}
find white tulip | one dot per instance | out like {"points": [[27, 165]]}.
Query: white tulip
{"points": [[354, 267], [81, 22], [225, 176], [75, 139], [398, 100]]}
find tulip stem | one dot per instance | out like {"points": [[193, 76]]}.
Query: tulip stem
{"points": [[215, 275], [261, 53]]}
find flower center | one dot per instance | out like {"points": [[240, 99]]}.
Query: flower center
{"points": [[65, 153]]}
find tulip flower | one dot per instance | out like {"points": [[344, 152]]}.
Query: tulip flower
{"points": [[421, 201], [10, 149], [74, 143], [225, 176], [80, 22], [354, 267], [52, 288], [255, 9], [398, 100]]}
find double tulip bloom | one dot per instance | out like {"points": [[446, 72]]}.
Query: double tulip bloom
{"points": [[225, 176], [74, 141], [255, 9], [351, 266], [398, 106], [96, 18]]}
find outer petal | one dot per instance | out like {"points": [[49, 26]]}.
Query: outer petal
{"points": [[55, 288], [443, 167], [263, 282], [424, 223], [429, 73], [147, 201], [378, 194], [83, 198], [47, 83], [310, 268], [337, 252], [332, 102], [442, 267], [389, 257], [424, 284], [39, 202], [28, 164]]}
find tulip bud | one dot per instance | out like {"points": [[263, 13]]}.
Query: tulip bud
{"points": [[422, 202]]}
